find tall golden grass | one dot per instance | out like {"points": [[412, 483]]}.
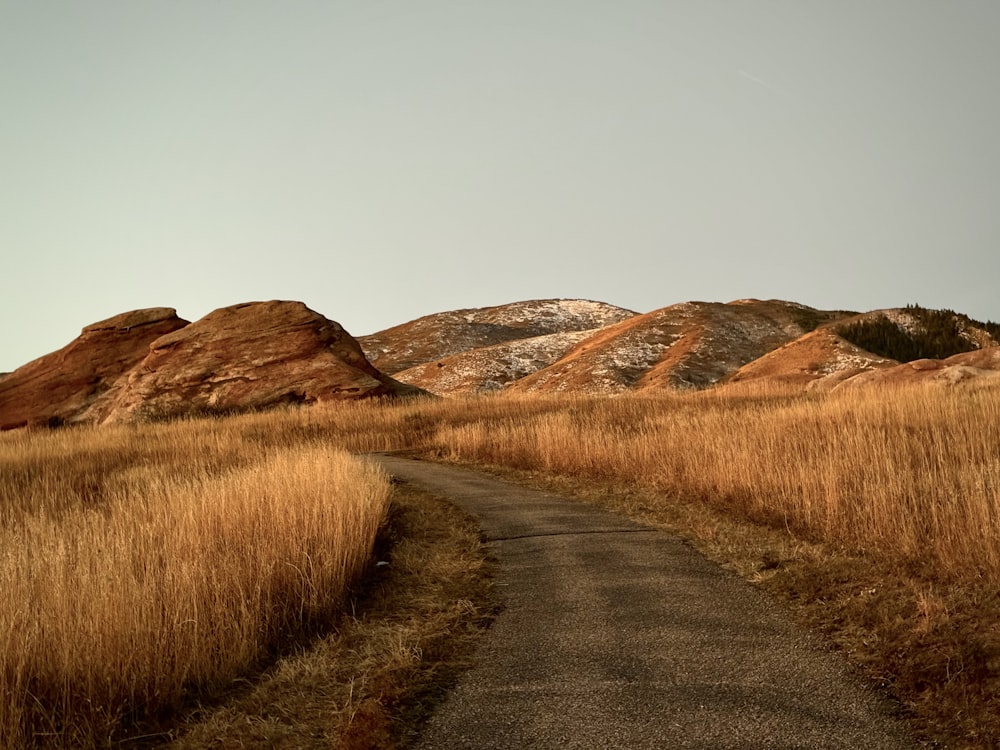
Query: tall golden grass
{"points": [[900, 487], [906, 472], [140, 565], [910, 473]]}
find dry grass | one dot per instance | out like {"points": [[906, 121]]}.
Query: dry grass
{"points": [[876, 514], [369, 684], [142, 566], [913, 474]]}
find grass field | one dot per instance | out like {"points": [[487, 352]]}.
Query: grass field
{"points": [[142, 566], [876, 514]]}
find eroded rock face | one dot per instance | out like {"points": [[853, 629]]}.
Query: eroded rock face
{"points": [[74, 384], [248, 356], [491, 368]]}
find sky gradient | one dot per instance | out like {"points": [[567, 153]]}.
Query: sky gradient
{"points": [[383, 160]]}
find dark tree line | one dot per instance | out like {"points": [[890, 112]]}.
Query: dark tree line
{"points": [[938, 335]]}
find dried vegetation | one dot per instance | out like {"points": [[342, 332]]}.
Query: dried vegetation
{"points": [[142, 567], [875, 513]]}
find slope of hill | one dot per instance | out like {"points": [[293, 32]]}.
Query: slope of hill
{"points": [[436, 337], [684, 346], [817, 359], [856, 346], [981, 364], [250, 356], [491, 368], [914, 332], [152, 364], [71, 384]]}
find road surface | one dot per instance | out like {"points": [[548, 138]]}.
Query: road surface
{"points": [[617, 635]]}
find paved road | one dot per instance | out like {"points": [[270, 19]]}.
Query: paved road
{"points": [[616, 635]]}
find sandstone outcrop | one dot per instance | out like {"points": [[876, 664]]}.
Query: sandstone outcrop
{"points": [[249, 356], [74, 383]]}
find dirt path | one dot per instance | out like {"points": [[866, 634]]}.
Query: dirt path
{"points": [[615, 635]]}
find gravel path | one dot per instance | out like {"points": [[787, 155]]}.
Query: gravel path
{"points": [[616, 635]]}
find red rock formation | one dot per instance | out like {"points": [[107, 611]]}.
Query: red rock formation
{"points": [[248, 356], [70, 385]]}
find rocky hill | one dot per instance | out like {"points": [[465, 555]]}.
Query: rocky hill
{"points": [[681, 347], [151, 364], [74, 383], [491, 368], [979, 365], [854, 348], [250, 356], [914, 332], [433, 338], [691, 345], [820, 358]]}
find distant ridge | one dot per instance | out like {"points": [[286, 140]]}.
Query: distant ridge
{"points": [[485, 349], [150, 364], [686, 346], [832, 355], [434, 337]]}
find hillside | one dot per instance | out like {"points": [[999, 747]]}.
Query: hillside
{"points": [[869, 347], [151, 364], [250, 356], [914, 332], [684, 346], [819, 358], [980, 365], [491, 368], [441, 335], [73, 383]]}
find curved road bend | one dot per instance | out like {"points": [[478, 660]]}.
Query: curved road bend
{"points": [[616, 635]]}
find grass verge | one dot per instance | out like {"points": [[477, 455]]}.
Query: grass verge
{"points": [[371, 683]]}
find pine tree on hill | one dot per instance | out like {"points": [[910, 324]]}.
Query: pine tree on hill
{"points": [[937, 335]]}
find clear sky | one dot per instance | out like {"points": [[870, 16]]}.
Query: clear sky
{"points": [[382, 160]]}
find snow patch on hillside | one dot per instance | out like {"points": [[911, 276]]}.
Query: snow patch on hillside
{"points": [[493, 367], [636, 355], [553, 315]]}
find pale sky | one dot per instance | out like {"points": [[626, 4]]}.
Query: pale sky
{"points": [[382, 160]]}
